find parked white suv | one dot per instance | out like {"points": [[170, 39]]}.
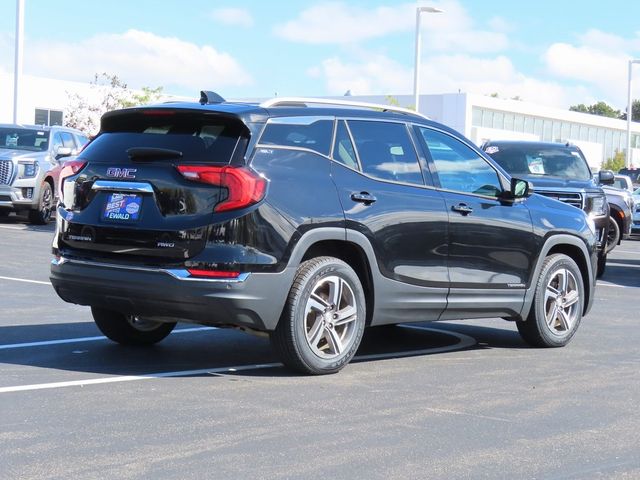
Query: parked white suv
{"points": [[27, 153]]}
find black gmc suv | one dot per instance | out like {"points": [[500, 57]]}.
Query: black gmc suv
{"points": [[309, 221], [560, 171]]}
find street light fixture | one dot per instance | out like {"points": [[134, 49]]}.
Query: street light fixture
{"points": [[416, 69], [629, 113]]}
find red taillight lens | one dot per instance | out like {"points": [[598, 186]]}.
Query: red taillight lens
{"points": [[68, 169], [245, 186], [222, 274]]}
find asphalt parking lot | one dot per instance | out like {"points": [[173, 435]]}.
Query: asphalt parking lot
{"points": [[438, 401]]}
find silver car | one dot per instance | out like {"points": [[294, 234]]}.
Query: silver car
{"points": [[27, 154]]}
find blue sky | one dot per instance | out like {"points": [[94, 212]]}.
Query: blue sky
{"points": [[549, 52]]}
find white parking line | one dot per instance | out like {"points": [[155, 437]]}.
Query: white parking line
{"points": [[465, 341], [13, 279], [10, 227], [607, 284], [87, 339]]}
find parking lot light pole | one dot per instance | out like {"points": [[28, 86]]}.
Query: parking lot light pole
{"points": [[629, 113], [17, 73], [416, 68]]}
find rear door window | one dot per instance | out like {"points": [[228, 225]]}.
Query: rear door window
{"points": [[310, 133], [201, 138], [386, 151]]}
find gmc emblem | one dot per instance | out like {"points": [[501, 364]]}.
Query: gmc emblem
{"points": [[116, 172]]}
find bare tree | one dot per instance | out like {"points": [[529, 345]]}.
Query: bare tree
{"points": [[108, 93]]}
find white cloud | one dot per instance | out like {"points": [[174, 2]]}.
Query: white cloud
{"points": [[239, 17], [377, 74], [604, 68], [607, 42], [340, 23], [140, 59], [380, 75]]}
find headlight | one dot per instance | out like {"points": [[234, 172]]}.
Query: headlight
{"points": [[599, 206], [30, 170]]}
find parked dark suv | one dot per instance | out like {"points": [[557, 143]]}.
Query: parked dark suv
{"points": [[560, 171], [309, 221]]}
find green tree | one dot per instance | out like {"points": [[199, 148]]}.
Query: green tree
{"points": [[108, 92], [615, 163], [599, 108], [635, 111]]}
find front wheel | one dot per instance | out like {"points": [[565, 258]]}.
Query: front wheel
{"points": [[42, 214], [130, 329], [323, 320], [557, 306], [613, 237]]}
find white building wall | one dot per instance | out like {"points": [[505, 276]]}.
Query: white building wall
{"points": [[36, 92]]}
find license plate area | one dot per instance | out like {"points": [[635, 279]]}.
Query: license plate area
{"points": [[122, 208]]}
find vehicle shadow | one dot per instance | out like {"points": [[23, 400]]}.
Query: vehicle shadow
{"points": [[222, 348], [622, 272], [22, 222]]}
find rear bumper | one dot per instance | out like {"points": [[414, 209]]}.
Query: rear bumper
{"points": [[255, 300]]}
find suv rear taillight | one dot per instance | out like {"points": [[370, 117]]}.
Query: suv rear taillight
{"points": [[69, 168], [245, 186]]}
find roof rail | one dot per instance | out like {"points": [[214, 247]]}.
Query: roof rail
{"points": [[294, 101]]}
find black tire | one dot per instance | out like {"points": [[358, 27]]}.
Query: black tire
{"points": [[122, 328], [42, 215], [4, 213], [602, 264], [559, 330], [613, 237], [304, 316]]}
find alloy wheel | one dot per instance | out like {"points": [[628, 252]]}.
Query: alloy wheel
{"points": [[330, 317], [561, 302]]}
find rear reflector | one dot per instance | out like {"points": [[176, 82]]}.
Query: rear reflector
{"points": [[244, 185], [194, 272]]}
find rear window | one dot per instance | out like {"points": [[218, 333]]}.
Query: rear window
{"points": [[312, 133], [200, 138]]}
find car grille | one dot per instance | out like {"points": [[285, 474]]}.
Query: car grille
{"points": [[6, 171], [571, 198]]}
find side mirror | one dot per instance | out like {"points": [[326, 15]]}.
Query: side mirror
{"points": [[63, 152], [520, 188], [605, 177]]}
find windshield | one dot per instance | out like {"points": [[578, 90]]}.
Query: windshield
{"points": [[543, 161], [24, 139]]}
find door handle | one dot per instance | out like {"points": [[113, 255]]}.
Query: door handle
{"points": [[462, 208], [363, 197]]}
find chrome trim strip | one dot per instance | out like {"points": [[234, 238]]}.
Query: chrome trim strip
{"points": [[177, 273], [136, 187]]}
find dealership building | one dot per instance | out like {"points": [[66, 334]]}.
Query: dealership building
{"points": [[479, 117]]}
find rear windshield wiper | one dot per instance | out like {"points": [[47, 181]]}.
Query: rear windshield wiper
{"points": [[152, 153]]}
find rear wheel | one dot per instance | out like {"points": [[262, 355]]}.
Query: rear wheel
{"points": [[323, 320], [42, 215], [130, 329], [602, 263], [613, 237], [557, 306]]}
